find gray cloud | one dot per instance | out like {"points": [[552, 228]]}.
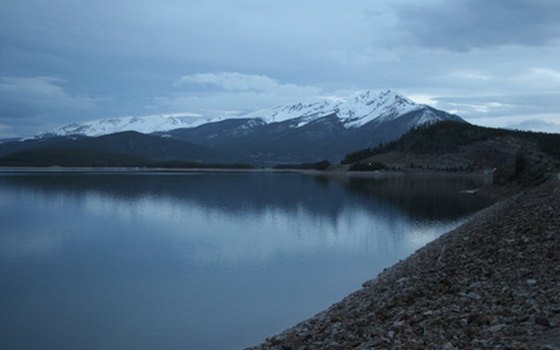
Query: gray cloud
{"points": [[483, 106], [233, 81], [472, 24], [536, 125], [225, 55], [231, 91], [35, 95], [30, 98]]}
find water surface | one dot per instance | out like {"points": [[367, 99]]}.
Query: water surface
{"points": [[98, 260]]}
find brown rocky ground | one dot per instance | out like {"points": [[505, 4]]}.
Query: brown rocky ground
{"points": [[493, 283]]}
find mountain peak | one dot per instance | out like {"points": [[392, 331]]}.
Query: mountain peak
{"points": [[366, 106], [366, 95], [385, 96]]}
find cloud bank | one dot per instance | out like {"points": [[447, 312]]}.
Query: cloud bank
{"points": [[114, 58], [25, 100], [480, 24], [233, 92]]}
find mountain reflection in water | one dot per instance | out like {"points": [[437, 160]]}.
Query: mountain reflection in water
{"points": [[200, 260]]}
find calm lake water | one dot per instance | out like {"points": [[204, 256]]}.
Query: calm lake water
{"points": [[199, 260]]}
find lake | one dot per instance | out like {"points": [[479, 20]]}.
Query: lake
{"points": [[198, 260]]}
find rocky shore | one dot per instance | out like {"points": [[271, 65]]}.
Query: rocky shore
{"points": [[492, 283]]}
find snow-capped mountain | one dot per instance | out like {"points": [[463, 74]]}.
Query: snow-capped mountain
{"points": [[366, 107], [353, 111], [308, 131], [144, 124]]}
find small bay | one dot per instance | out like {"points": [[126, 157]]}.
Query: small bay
{"points": [[200, 260]]}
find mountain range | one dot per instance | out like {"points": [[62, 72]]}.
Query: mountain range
{"points": [[326, 128]]}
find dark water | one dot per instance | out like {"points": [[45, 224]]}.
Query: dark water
{"points": [[199, 260]]}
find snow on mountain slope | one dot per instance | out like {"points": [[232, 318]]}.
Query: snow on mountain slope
{"points": [[144, 124], [429, 117], [306, 111], [367, 106], [353, 111]]}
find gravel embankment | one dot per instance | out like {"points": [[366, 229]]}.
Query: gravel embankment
{"points": [[493, 283]]}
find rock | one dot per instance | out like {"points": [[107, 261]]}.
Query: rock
{"points": [[474, 296], [496, 328], [402, 279], [448, 346], [542, 320]]}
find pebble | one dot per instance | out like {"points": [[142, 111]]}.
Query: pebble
{"points": [[496, 328]]}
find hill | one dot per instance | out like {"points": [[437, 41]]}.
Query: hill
{"points": [[453, 146], [121, 149]]}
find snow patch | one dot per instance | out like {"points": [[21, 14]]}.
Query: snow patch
{"points": [[354, 111], [143, 124]]}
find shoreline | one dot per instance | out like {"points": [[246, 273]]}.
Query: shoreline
{"points": [[493, 282], [326, 173]]}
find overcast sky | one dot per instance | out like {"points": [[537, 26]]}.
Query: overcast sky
{"points": [[494, 62]]}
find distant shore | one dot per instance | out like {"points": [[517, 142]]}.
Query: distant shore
{"points": [[328, 173], [55, 169], [494, 282]]}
